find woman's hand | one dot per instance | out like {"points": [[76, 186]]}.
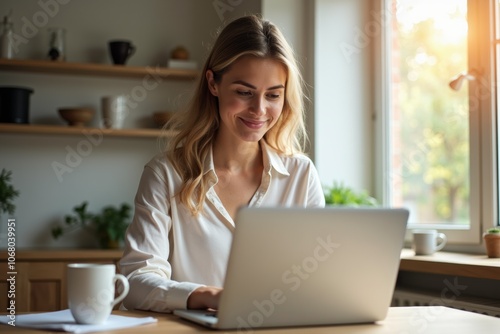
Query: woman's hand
{"points": [[204, 298]]}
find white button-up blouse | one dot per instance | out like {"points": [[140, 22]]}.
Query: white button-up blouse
{"points": [[169, 252]]}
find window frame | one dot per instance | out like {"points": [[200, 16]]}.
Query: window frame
{"points": [[482, 120]]}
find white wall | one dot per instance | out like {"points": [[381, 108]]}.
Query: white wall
{"points": [[343, 93], [109, 173], [335, 53]]}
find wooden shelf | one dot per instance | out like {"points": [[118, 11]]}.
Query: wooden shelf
{"points": [[90, 69], [102, 70], [68, 130]]}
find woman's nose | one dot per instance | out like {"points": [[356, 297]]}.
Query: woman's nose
{"points": [[258, 105]]}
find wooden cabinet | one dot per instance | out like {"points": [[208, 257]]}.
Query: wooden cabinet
{"points": [[38, 279]]}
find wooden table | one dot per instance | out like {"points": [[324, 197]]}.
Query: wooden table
{"points": [[428, 320]]}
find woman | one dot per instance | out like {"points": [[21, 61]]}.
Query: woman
{"points": [[239, 143]]}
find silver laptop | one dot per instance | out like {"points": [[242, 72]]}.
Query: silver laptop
{"points": [[302, 267]]}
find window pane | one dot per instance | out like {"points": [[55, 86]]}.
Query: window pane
{"points": [[429, 121]]}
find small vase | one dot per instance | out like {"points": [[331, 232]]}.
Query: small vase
{"points": [[57, 44], [492, 244]]}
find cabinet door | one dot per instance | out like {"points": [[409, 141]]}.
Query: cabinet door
{"points": [[41, 287]]}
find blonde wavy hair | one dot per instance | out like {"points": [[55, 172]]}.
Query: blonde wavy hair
{"points": [[197, 126]]}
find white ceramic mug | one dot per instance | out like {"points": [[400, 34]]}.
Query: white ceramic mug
{"points": [[427, 242], [114, 111], [91, 291]]}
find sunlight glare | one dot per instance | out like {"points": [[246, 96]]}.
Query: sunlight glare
{"points": [[449, 17]]}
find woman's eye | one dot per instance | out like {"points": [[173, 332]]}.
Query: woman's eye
{"points": [[273, 96], [244, 93]]}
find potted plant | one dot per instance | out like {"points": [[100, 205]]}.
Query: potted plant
{"points": [[492, 242], [111, 225], [7, 193], [108, 227], [340, 195]]}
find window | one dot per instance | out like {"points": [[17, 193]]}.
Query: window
{"points": [[438, 152]]}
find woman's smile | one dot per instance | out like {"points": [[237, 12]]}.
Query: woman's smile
{"points": [[253, 124]]}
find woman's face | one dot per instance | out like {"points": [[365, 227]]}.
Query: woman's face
{"points": [[251, 97]]}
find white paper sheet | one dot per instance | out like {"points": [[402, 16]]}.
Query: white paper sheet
{"points": [[64, 321]]}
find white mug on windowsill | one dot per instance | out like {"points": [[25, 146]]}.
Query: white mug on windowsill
{"points": [[427, 242]]}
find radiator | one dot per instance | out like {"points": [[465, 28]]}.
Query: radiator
{"points": [[416, 298]]}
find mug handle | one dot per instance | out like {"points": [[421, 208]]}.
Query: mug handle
{"points": [[441, 237], [131, 50], [126, 288]]}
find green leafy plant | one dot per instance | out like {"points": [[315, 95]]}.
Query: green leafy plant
{"points": [[109, 226], [7, 193], [339, 194], [112, 224], [493, 230]]}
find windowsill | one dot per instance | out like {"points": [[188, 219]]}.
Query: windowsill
{"points": [[445, 263], [456, 264]]}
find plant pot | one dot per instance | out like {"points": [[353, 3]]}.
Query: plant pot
{"points": [[492, 243], [15, 104], [113, 244]]}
